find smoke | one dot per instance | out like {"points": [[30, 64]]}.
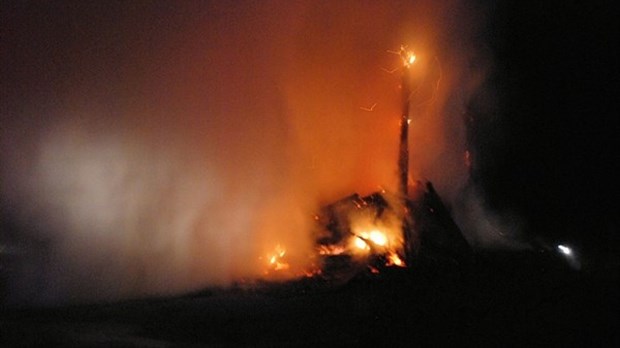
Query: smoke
{"points": [[158, 149]]}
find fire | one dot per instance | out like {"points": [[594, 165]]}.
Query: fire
{"points": [[377, 237], [331, 250], [367, 229], [370, 240], [360, 244], [373, 237], [408, 56], [276, 259], [378, 241], [394, 260], [278, 267]]}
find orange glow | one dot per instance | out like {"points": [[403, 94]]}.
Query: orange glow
{"points": [[276, 261], [378, 237], [411, 58], [360, 244], [279, 266], [408, 56], [149, 132], [331, 250], [395, 260]]}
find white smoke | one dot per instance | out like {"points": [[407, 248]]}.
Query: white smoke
{"points": [[151, 150]]}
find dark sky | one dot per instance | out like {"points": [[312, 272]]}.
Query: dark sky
{"points": [[151, 147], [555, 80]]}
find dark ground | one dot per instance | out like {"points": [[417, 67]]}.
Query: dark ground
{"points": [[505, 299]]}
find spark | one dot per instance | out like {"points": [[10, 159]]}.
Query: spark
{"points": [[390, 71], [369, 109]]}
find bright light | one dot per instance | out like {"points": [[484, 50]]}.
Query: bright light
{"points": [[411, 58], [394, 260], [565, 250], [378, 237], [359, 243], [276, 260], [407, 56]]}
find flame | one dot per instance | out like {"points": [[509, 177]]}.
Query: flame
{"points": [[394, 260], [378, 237], [373, 237], [331, 250], [276, 261], [360, 244], [408, 56]]}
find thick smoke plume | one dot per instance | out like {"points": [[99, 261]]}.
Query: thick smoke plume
{"points": [[162, 148]]}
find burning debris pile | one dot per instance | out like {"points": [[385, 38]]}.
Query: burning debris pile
{"points": [[384, 229], [362, 231], [368, 234]]}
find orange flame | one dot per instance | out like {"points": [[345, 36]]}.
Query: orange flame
{"points": [[394, 260], [408, 56], [276, 261]]}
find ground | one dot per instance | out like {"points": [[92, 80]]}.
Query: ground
{"points": [[503, 299]]}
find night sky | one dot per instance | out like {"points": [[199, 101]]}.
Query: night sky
{"points": [[556, 72], [153, 147]]}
